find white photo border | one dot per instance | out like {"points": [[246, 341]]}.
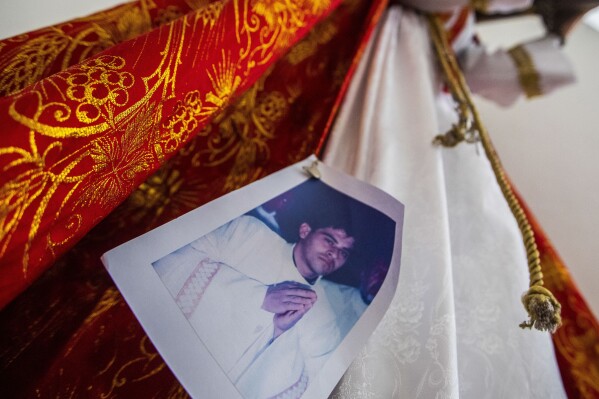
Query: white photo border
{"points": [[130, 266]]}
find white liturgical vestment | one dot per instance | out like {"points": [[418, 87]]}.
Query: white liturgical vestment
{"points": [[452, 329], [219, 282]]}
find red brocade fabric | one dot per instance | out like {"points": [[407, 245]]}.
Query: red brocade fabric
{"points": [[28, 58], [72, 148], [208, 102], [119, 122]]}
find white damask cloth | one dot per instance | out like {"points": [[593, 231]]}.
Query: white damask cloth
{"points": [[452, 328]]}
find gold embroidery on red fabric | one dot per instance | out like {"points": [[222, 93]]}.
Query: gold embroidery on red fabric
{"points": [[107, 29], [99, 88], [29, 63], [35, 184], [72, 225], [147, 364], [283, 18], [166, 72], [270, 110], [208, 12], [102, 88], [224, 81], [166, 15], [255, 113], [242, 134], [165, 189], [110, 298], [177, 392], [183, 121], [577, 340], [321, 34], [117, 162], [252, 140], [225, 132], [581, 352], [132, 22], [99, 94]]}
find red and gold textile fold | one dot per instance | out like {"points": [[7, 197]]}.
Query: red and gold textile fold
{"points": [[28, 58], [72, 148], [204, 100], [576, 342]]}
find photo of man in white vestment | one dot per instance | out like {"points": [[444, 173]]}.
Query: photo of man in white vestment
{"points": [[260, 296]]}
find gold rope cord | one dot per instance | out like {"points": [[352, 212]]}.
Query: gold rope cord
{"points": [[542, 307], [527, 73]]}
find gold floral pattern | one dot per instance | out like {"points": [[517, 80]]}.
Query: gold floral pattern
{"points": [[119, 161], [99, 86], [27, 66], [34, 183], [91, 133], [27, 60], [283, 19], [224, 81], [184, 120]]}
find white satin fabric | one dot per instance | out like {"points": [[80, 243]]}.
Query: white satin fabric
{"points": [[452, 329]]}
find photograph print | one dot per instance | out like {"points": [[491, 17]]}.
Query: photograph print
{"points": [[273, 292]]}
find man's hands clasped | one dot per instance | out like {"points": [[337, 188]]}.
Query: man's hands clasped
{"points": [[289, 301]]}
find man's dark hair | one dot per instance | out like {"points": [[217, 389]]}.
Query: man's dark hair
{"points": [[318, 205], [333, 212]]}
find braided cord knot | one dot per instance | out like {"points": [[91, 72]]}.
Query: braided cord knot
{"points": [[543, 309]]}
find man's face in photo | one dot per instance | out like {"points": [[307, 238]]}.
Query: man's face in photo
{"points": [[323, 250]]}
